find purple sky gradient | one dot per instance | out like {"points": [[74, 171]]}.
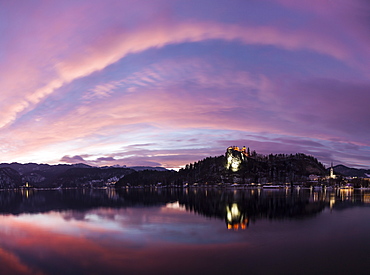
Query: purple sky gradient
{"points": [[167, 82]]}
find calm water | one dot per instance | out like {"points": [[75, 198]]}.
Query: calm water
{"points": [[185, 232]]}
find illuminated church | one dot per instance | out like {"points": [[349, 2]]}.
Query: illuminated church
{"points": [[332, 175]]}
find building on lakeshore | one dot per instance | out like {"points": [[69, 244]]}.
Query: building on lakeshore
{"points": [[332, 175]]}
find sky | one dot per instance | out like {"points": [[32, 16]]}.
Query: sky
{"points": [[170, 82]]}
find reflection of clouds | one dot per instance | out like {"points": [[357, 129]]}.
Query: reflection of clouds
{"points": [[160, 239], [11, 264], [73, 215], [176, 206], [114, 238], [139, 225]]}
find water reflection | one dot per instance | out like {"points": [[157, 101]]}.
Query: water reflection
{"points": [[139, 231], [236, 207], [235, 218]]}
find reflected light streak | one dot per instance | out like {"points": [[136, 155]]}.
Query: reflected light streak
{"points": [[234, 218]]}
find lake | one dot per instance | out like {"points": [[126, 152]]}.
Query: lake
{"points": [[185, 231]]}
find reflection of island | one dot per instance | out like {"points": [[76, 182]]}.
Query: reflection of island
{"points": [[237, 207]]}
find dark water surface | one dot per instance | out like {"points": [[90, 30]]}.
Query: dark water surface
{"points": [[175, 231]]}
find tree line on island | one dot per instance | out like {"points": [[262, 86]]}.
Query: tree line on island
{"points": [[278, 168]]}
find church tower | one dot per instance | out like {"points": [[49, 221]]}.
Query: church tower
{"points": [[332, 176]]}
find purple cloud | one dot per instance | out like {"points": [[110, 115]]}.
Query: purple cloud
{"points": [[72, 160]]}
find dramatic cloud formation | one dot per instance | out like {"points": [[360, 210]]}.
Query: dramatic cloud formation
{"points": [[165, 83]]}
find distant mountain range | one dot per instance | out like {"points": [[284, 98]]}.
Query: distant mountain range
{"points": [[13, 175], [351, 172], [142, 168], [62, 175]]}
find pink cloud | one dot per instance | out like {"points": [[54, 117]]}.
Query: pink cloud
{"points": [[349, 17], [117, 45]]}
